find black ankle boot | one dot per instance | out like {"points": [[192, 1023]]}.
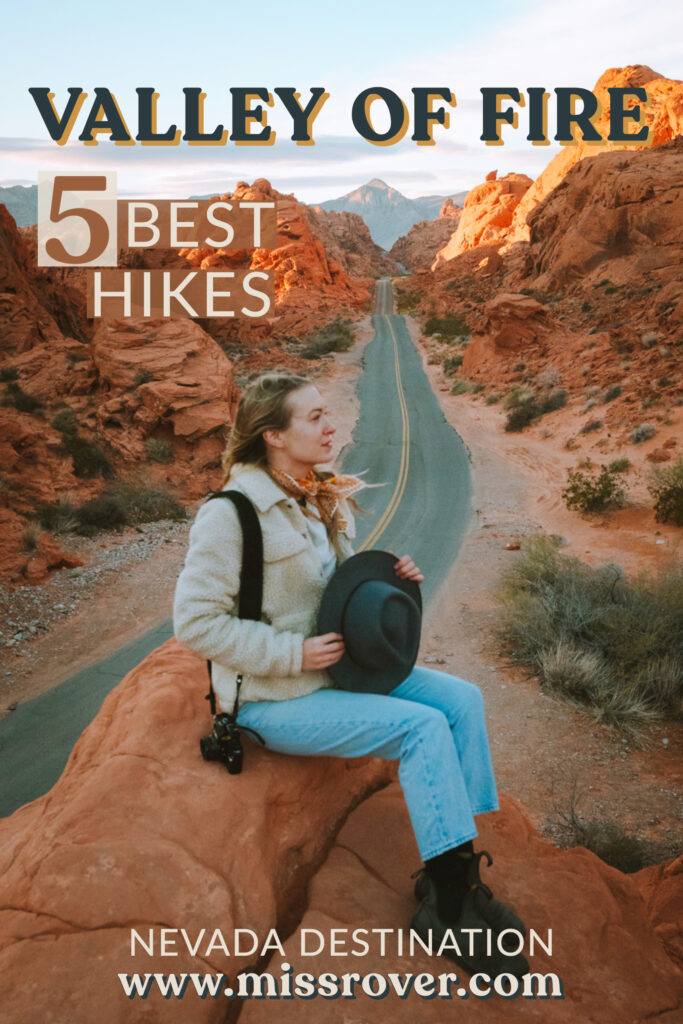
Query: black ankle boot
{"points": [[450, 889]]}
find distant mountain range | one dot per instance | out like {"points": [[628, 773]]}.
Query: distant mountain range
{"points": [[22, 203], [387, 213]]}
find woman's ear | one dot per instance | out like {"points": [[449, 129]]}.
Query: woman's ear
{"points": [[272, 437]]}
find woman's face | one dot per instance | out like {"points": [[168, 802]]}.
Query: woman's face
{"points": [[308, 438]]}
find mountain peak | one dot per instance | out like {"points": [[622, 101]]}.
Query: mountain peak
{"points": [[376, 183]]}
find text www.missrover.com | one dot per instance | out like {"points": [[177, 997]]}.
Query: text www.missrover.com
{"points": [[249, 984]]}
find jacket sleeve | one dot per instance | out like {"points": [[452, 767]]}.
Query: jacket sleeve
{"points": [[206, 602]]}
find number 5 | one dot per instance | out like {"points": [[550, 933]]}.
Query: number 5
{"points": [[98, 228]]}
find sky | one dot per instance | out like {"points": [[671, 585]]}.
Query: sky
{"points": [[343, 47]]}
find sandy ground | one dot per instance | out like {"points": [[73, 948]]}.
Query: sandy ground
{"points": [[544, 750]]}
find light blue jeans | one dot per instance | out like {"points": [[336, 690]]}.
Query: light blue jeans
{"points": [[432, 723]]}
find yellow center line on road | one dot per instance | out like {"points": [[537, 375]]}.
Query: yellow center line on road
{"points": [[400, 487]]}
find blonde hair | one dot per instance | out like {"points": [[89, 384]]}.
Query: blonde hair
{"points": [[263, 406]]}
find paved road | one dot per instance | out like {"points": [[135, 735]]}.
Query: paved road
{"points": [[401, 439]]}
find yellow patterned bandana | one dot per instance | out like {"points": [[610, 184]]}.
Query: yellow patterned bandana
{"points": [[325, 495]]}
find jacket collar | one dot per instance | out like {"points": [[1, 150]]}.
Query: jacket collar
{"points": [[257, 485]]}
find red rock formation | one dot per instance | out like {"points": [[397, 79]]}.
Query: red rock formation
{"points": [[663, 114], [140, 833], [605, 939], [417, 250], [487, 214], [604, 261], [127, 381], [346, 238], [618, 215], [311, 287], [163, 372]]}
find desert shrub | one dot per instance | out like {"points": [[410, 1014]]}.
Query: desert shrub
{"points": [[525, 405], [643, 432], [465, 387], [492, 398], [8, 373], [334, 337], [619, 465], [586, 307], [589, 427], [612, 392], [127, 504], [15, 396], [520, 395], [549, 378], [586, 492], [521, 416], [76, 357], [557, 399], [159, 449], [29, 537], [88, 458], [406, 300], [147, 504], [451, 364], [105, 512], [608, 840], [595, 636], [449, 326], [57, 517], [65, 421], [666, 487]]}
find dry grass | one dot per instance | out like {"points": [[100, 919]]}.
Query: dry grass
{"points": [[607, 643]]}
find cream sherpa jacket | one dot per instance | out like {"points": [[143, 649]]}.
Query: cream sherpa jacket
{"points": [[267, 653]]}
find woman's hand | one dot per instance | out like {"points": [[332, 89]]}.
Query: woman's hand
{"points": [[322, 651], [406, 569]]}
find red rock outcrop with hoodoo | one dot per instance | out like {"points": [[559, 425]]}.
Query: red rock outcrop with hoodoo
{"points": [[486, 216], [663, 115], [140, 833], [418, 249], [311, 286]]}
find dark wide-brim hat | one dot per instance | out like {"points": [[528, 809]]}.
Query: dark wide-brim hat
{"points": [[379, 616]]}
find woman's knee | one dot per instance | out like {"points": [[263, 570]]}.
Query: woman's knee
{"points": [[427, 724]]}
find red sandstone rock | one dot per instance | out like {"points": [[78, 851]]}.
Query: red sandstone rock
{"points": [[346, 238], [140, 832], [487, 214], [619, 216], [664, 115], [45, 337], [418, 249], [609, 947], [658, 455], [164, 371]]}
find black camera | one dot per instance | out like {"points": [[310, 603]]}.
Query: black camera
{"points": [[224, 743]]}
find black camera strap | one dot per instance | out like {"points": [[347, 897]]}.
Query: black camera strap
{"points": [[251, 578]]}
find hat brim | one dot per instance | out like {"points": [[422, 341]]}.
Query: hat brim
{"points": [[366, 565]]}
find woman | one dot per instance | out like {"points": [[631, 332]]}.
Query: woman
{"points": [[432, 723]]}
